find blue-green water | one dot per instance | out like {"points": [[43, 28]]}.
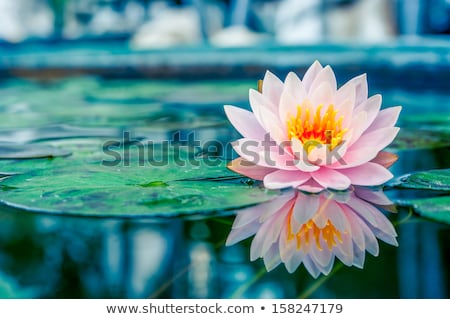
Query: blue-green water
{"points": [[54, 256]]}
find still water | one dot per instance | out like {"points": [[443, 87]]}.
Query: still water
{"points": [[46, 255]]}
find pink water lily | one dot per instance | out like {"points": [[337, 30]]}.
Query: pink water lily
{"points": [[310, 135], [309, 229]]}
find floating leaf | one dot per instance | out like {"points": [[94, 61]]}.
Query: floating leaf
{"points": [[26, 151], [54, 132], [408, 139], [126, 191], [438, 179], [90, 183], [87, 102], [437, 208]]}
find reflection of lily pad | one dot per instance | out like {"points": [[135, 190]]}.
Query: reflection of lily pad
{"points": [[118, 191], [10, 288], [437, 208], [438, 179]]}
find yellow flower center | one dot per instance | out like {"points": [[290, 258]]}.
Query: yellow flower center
{"points": [[330, 235], [316, 130]]}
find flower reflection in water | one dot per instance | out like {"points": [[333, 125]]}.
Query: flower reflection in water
{"points": [[313, 229]]}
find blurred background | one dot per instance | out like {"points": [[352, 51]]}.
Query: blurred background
{"points": [[71, 66], [156, 24], [204, 38]]}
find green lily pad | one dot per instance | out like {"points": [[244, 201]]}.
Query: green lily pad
{"points": [[437, 208], [425, 138], [77, 151], [92, 183], [89, 102], [438, 179], [97, 190]]}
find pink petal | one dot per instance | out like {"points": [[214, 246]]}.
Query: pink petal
{"points": [[362, 91], [387, 238], [368, 174], [311, 186], [346, 111], [385, 226], [326, 75], [271, 233], [255, 152], [306, 206], [322, 95], [358, 126], [373, 216], [372, 108], [311, 267], [286, 247], [357, 233], [321, 218], [282, 179], [286, 200], [248, 215], [369, 238], [295, 259], [311, 74], [244, 122], [288, 107], [355, 157], [267, 118], [330, 178], [322, 257], [301, 157], [386, 118], [246, 168], [344, 251], [376, 140], [338, 152], [377, 197], [239, 234], [272, 88], [362, 209], [337, 217], [269, 230], [294, 86], [359, 255], [385, 159], [272, 258], [345, 93], [262, 107]]}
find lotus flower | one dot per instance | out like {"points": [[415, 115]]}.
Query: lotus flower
{"points": [[310, 135], [313, 229]]}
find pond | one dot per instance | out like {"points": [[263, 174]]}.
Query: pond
{"points": [[104, 187]]}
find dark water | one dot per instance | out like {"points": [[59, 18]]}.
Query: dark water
{"points": [[47, 256]]}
